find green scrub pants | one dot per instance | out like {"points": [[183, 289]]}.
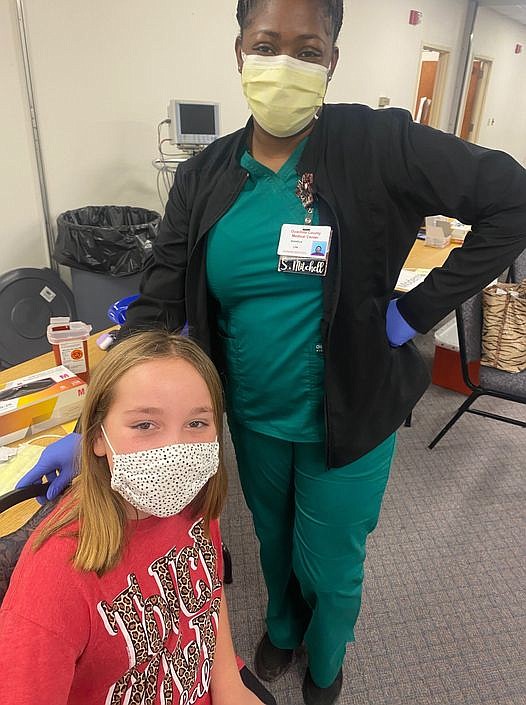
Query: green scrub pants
{"points": [[312, 525]]}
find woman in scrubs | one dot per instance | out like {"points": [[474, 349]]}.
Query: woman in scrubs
{"points": [[313, 350]]}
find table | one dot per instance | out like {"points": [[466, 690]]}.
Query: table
{"points": [[423, 257], [15, 517], [420, 262]]}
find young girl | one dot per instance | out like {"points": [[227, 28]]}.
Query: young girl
{"points": [[117, 598]]}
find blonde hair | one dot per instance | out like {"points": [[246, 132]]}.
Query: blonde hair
{"points": [[100, 511]]}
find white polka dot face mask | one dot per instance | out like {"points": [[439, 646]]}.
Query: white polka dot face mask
{"points": [[163, 481]]}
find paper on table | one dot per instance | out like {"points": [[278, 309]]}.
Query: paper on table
{"points": [[409, 278], [15, 468]]}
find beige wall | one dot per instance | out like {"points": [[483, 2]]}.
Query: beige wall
{"points": [[22, 242], [381, 50], [105, 71], [495, 38]]}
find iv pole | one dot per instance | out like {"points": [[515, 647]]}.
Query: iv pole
{"points": [[36, 135]]}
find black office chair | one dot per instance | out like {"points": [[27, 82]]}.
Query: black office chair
{"points": [[11, 544], [517, 271], [493, 382]]}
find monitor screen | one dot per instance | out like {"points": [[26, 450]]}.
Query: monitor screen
{"points": [[193, 123], [197, 119]]}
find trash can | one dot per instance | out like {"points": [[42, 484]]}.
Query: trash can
{"points": [[29, 297], [107, 249]]}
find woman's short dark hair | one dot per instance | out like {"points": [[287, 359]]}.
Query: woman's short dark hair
{"points": [[333, 9]]}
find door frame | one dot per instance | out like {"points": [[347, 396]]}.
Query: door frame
{"points": [[481, 96], [440, 80]]}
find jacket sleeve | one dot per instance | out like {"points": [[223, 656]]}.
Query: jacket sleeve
{"points": [[438, 173], [162, 299]]}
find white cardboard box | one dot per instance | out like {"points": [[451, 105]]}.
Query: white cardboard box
{"points": [[438, 231], [34, 410]]}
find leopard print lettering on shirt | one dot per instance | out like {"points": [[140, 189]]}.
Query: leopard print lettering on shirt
{"points": [[170, 636]]}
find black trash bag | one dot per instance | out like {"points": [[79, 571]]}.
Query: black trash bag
{"points": [[114, 240]]}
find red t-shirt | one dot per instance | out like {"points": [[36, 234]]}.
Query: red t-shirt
{"points": [[144, 632]]}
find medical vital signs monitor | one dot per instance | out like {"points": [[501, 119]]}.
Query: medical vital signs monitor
{"points": [[193, 123]]}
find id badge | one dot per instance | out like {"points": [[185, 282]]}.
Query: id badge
{"points": [[304, 249]]}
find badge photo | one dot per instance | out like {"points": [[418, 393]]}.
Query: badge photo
{"points": [[304, 241]]}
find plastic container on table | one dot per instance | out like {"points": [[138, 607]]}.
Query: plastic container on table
{"points": [[447, 367], [438, 231], [69, 340]]}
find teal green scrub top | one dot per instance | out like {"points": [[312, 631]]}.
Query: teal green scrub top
{"points": [[269, 321]]}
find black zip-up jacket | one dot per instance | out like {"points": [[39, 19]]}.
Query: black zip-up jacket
{"points": [[376, 176]]}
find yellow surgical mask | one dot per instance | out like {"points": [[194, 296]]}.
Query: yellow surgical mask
{"points": [[283, 94]]}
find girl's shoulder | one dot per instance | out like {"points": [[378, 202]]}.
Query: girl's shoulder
{"points": [[51, 559], [40, 564], [44, 586], [47, 594]]}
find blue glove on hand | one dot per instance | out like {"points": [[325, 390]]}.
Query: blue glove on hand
{"points": [[398, 329], [59, 457]]}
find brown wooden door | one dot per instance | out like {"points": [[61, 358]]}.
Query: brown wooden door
{"points": [[468, 125], [426, 87]]}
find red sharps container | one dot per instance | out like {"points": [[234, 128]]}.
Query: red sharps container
{"points": [[70, 344]]}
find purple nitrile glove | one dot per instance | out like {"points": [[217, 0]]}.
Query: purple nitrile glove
{"points": [[398, 329], [59, 457]]}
